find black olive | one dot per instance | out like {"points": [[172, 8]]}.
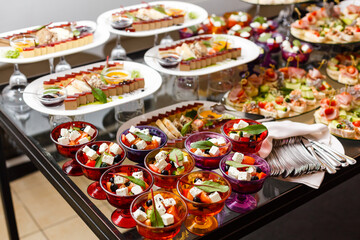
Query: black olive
{"points": [[254, 178], [94, 147], [165, 172], [226, 168], [103, 164], [82, 129], [241, 134], [258, 170], [117, 158], [113, 187], [149, 202], [127, 183], [208, 138], [252, 137], [111, 180], [197, 199], [287, 100], [197, 179], [207, 151], [133, 146], [142, 208], [172, 163]]}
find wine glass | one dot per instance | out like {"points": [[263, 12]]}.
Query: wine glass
{"points": [[166, 40], [118, 52], [71, 167], [94, 173], [62, 65], [240, 200], [121, 217], [201, 219]]}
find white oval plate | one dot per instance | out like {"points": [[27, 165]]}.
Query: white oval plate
{"points": [[249, 52], [101, 35], [152, 79], [105, 18]]}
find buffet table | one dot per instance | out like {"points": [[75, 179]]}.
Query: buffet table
{"points": [[275, 199]]}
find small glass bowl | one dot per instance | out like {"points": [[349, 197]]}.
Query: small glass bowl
{"points": [[115, 75], [169, 60], [52, 97], [201, 161], [121, 23], [243, 145], [167, 232], [303, 57], [23, 41]]}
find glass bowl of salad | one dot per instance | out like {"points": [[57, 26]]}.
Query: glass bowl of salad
{"points": [[140, 140], [173, 213], [167, 165], [95, 158], [207, 148], [52, 97], [68, 138], [244, 135], [246, 174], [298, 51]]}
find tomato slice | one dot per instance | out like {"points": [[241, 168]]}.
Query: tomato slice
{"points": [[248, 160], [124, 140], [356, 123], [154, 168], [204, 198], [173, 211], [90, 163]]}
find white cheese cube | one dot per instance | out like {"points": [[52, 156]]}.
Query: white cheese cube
{"points": [[244, 176], [74, 135], [129, 137], [242, 124], [108, 159], [115, 149], [214, 151], [161, 164], [278, 39], [119, 179], [145, 131], [169, 202], [245, 34], [238, 157], [162, 155], [244, 18], [103, 147], [86, 149], [160, 208], [64, 132], [136, 189], [186, 159], [270, 41], [305, 48], [221, 141], [122, 191], [167, 219], [134, 129], [83, 140], [265, 25], [141, 145], [251, 169], [156, 138], [233, 172], [89, 130], [194, 191], [255, 24], [234, 136], [236, 27], [246, 134], [63, 141], [217, 24], [213, 140], [296, 48], [92, 154], [158, 198], [198, 182], [215, 197], [140, 215], [138, 175], [198, 152]]}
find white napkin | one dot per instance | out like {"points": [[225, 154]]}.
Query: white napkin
{"points": [[286, 129]]}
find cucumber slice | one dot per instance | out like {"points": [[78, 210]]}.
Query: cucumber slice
{"points": [[307, 95], [264, 88], [293, 86]]}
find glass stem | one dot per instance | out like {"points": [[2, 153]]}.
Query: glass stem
{"points": [[51, 64], [201, 220], [155, 39], [118, 40]]}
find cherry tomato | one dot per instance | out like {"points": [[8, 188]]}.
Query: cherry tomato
{"points": [[356, 123]]}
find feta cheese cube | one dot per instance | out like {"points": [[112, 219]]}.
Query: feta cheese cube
{"points": [[251, 169], [236, 27], [162, 155], [141, 145], [138, 175], [103, 147], [244, 18], [198, 152], [74, 135], [238, 157], [305, 48], [63, 141], [161, 164], [217, 24], [84, 140], [156, 138], [64, 132], [198, 182], [233, 172], [234, 136], [215, 197], [86, 149], [169, 202], [115, 149], [134, 129], [296, 48], [246, 134], [221, 141], [140, 215], [270, 41], [92, 154], [265, 25], [244, 176], [194, 191], [242, 124], [186, 159], [129, 137], [160, 208], [108, 159], [245, 34], [213, 140], [145, 131], [214, 151], [255, 24], [167, 219], [89, 130], [122, 191], [136, 189], [119, 179], [158, 198], [278, 39]]}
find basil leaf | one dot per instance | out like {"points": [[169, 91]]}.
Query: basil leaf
{"points": [[193, 29], [209, 123], [137, 181], [260, 19], [146, 138], [185, 128], [297, 43], [237, 164], [188, 59], [264, 37], [160, 9], [99, 161], [99, 95], [202, 144], [245, 29], [210, 186], [254, 129], [207, 43], [155, 218], [176, 155], [191, 114]]}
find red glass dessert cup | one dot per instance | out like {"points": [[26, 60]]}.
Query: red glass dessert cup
{"points": [[201, 219], [244, 144], [94, 173], [240, 200], [166, 232], [121, 217], [167, 182], [71, 167]]}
